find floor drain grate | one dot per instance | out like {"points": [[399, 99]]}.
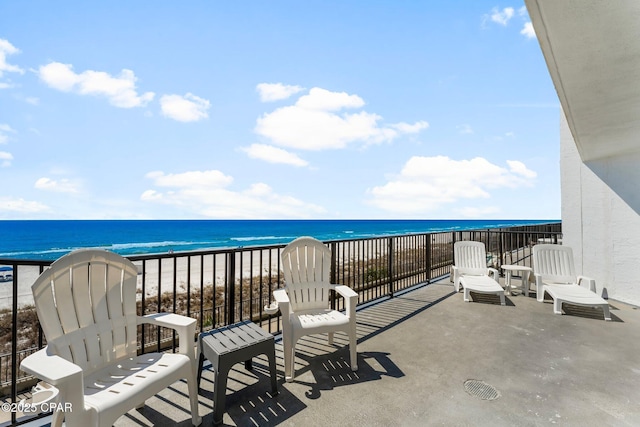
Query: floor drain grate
{"points": [[481, 389]]}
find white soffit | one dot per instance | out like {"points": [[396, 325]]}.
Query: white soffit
{"points": [[592, 50]]}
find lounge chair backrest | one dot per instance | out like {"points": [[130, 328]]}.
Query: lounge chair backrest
{"points": [[554, 263], [86, 305], [470, 258], [306, 263]]}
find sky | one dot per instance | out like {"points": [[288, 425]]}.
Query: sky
{"points": [[329, 109]]}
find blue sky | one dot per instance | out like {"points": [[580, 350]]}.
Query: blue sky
{"points": [[279, 109]]}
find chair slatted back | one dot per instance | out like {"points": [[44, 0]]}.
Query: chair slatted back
{"points": [[554, 263], [470, 258], [86, 304], [306, 263]]}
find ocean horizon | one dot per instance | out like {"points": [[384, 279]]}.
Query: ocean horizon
{"points": [[50, 239]]}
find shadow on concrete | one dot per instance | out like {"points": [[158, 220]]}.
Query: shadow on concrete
{"points": [[333, 370], [249, 399]]}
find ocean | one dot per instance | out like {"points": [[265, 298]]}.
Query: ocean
{"points": [[50, 239]]}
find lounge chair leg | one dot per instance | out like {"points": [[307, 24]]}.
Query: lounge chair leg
{"points": [[605, 309], [466, 295], [557, 306]]}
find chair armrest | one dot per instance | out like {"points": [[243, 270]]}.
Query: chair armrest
{"points": [[493, 273], [51, 368], [282, 298], [183, 325], [350, 296], [591, 283], [345, 291]]}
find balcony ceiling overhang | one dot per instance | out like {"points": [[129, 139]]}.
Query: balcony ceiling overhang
{"points": [[592, 50]]}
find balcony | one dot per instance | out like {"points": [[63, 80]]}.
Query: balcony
{"points": [[417, 348]]}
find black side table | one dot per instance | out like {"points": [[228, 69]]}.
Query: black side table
{"points": [[226, 346]]}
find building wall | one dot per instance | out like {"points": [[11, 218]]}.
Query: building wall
{"points": [[600, 218]]}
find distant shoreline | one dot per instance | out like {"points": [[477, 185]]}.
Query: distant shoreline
{"points": [[50, 239]]}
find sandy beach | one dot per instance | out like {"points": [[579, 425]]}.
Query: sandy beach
{"points": [[164, 274]]}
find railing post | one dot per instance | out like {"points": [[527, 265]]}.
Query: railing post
{"points": [[143, 305], [500, 248], [390, 265], [333, 273], [453, 242], [14, 343], [428, 255], [230, 285]]}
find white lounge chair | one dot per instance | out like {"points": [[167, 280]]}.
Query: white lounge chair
{"points": [[471, 272], [86, 304], [555, 274], [305, 300]]}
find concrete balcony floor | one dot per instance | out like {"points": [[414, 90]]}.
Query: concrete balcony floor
{"points": [[415, 353]]}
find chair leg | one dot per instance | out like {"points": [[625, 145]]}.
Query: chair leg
{"points": [[605, 309], [501, 294], [289, 358], [193, 384], [353, 340], [330, 334], [539, 291], [466, 295], [58, 417], [557, 306]]}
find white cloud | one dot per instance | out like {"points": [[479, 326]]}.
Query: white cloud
{"points": [[5, 159], [324, 100], [7, 49], [270, 92], [273, 154], [519, 168], [426, 183], [212, 178], [188, 108], [206, 193], [503, 16], [315, 122], [9, 204], [408, 128], [4, 130], [120, 91], [59, 186], [528, 31]]}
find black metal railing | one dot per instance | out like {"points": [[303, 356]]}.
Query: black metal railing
{"points": [[221, 287]]}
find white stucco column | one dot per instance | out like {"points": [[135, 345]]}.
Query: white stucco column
{"points": [[600, 217]]}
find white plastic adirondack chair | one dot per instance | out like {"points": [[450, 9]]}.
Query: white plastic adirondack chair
{"points": [[471, 272], [305, 303], [555, 274], [86, 304]]}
